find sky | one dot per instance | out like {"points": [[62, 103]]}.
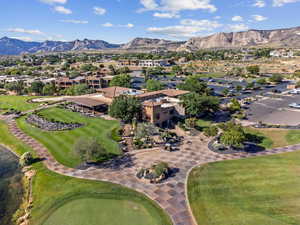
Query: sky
{"points": [[119, 21]]}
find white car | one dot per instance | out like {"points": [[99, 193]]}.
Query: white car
{"points": [[295, 92], [295, 105]]}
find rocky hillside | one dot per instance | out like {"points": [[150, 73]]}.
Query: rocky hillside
{"points": [[252, 38], [9, 46], [149, 44]]}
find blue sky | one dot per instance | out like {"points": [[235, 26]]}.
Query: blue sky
{"points": [[119, 21]]}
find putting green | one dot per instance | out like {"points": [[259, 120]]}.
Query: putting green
{"points": [[91, 211]]}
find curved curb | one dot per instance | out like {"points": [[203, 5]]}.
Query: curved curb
{"points": [[187, 195]]}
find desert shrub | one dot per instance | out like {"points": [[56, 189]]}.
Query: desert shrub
{"points": [[210, 131], [26, 159]]}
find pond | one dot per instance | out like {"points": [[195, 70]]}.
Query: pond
{"points": [[11, 188]]}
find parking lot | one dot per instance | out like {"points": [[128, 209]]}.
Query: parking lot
{"points": [[275, 110]]}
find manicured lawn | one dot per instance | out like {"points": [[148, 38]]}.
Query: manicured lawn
{"points": [[92, 210], [10, 141], [61, 143], [17, 102], [273, 138], [64, 200], [293, 137], [262, 191], [52, 191], [267, 138]]}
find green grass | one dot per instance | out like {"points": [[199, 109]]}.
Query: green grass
{"points": [[293, 137], [273, 138], [265, 139], [203, 123], [11, 142], [52, 191], [60, 143], [17, 102], [262, 191], [92, 210]]}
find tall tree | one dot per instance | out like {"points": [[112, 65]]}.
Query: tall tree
{"points": [[154, 85], [194, 84], [49, 89], [89, 149], [37, 87], [126, 108], [196, 104], [122, 80]]}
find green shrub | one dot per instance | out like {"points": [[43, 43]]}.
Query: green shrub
{"points": [[161, 168], [26, 159], [116, 134], [210, 131]]}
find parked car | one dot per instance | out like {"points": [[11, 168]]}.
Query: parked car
{"points": [[295, 92], [294, 105]]}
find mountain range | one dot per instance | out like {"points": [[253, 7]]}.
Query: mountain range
{"points": [[279, 38]]}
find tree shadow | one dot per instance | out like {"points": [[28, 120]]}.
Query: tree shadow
{"points": [[253, 148], [37, 160], [114, 162]]}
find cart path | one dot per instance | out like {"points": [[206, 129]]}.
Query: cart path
{"points": [[170, 195]]}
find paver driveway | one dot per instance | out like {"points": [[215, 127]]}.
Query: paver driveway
{"points": [[170, 195]]}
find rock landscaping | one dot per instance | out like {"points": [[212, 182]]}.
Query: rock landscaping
{"points": [[156, 173], [52, 125]]}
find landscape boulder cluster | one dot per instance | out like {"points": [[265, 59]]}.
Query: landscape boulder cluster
{"points": [[44, 124]]}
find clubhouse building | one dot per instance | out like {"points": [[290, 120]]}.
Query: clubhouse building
{"points": [[161, 108]]}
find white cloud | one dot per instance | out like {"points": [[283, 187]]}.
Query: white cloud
{"points": [[24, 31], [217, 17], [238, 27], [259, 3], [179, 31], [129, 25], [237, 19], [187, 28], [54, 1], [178, 5], [99, 10], [75, 21], [149, 4], [166, 15], [279, 3], [206, 25], [107, 25], [259, 18], [23, 38], [62, 10]]}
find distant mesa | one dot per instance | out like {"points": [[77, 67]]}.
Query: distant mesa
{"points": [[280, 38]]}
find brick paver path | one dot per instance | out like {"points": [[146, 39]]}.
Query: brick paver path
{"points": [[170, 195]]}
